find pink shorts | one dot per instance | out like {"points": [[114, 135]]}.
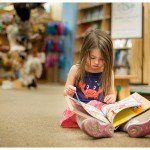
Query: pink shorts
{"points": [[68, 119]]}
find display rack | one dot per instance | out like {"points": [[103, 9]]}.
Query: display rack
{"points": [[54, 49]]}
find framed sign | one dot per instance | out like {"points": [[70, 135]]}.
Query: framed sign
{"points": [[126, 20]]}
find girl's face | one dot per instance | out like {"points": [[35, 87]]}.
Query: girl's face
{"points": [[95, 61]]}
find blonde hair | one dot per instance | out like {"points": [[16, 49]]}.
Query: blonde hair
{"points": [[101, 40]]}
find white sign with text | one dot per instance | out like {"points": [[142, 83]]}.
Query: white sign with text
{"points": [[126, 20]]}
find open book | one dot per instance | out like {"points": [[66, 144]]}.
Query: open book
{"points": [[116, 113]]}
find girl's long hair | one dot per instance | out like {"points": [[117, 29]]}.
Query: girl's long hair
{"points": [[101, 40]]}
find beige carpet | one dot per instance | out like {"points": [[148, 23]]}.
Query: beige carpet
{"points": [[30, 118]]}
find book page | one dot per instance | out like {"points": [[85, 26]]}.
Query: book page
{"points": [[126, 109], [130, 101], [76, 107], [123, 116], [96, 113], [85, 110]]}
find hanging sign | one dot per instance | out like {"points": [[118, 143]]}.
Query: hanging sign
{"points": [[126, 20]]}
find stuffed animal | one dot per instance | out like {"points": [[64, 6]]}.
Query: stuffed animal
{"points": [[12, 33], [31, 71]]}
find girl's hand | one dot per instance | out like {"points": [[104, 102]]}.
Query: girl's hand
{"points": [[70, 90], [109, 99]]}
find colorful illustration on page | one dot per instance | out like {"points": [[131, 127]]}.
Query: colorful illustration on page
{"points": [[128, 102], [94, 112]]}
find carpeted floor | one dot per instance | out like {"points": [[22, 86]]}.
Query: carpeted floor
{"points": [[30, 118]]}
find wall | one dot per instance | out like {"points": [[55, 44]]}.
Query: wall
{"points": [[69, 14]]}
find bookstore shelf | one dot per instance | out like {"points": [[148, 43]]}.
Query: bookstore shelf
{"points": [[91, 16]]}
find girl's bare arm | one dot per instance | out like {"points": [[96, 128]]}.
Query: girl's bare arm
{"points": [[111, 97], [69, 86]]}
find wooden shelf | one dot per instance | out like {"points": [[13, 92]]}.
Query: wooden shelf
{"points": [[121, 66], [122, 48], [92, 20], [124, 76], [90, 6], [82, 35]]}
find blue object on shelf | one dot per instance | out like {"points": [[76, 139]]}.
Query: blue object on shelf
{"points": [[51, 28], [49, 45]]}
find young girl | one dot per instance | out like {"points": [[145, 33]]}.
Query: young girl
{"points": [[92, 81]]}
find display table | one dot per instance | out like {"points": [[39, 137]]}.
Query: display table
{"points": [[122, 85]]}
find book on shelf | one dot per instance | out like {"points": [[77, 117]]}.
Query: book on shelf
{"points": [[97, 13], [121, 57], [116, 113], [88, 15]]}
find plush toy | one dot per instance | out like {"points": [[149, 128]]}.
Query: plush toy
{"points": [[31, 71], [12, 32]]}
